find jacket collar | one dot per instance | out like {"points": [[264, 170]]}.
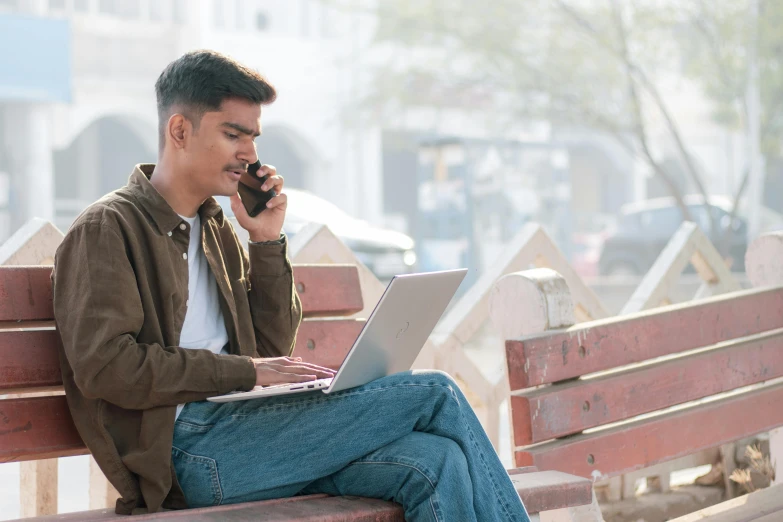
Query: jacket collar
{"points": [[158, 208]]}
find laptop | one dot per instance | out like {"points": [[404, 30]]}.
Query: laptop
{"points": [[391, 339]]}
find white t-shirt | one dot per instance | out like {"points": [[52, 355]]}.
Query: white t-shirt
{"points": [[204, 327]]}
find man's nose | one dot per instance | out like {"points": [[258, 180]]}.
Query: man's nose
{"points": [[248, 154]]}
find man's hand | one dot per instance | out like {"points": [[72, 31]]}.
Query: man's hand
{"points": [[267, 225], [285, 370]]}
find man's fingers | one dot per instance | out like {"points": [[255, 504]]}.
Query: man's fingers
{"points": [[269, 376], [305, 370], [281, 200], [294, 377], [316, 367], [300, 364], [273, 182]]}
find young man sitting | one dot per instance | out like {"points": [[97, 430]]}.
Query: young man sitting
{"points": [[159, 307]]}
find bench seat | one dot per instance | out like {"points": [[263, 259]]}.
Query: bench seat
{"points": [[539, 490]]}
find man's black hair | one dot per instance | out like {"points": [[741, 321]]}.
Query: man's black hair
{"points": [[199, 81]]}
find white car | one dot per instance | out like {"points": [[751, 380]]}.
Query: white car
{"points": [[385, 252]]}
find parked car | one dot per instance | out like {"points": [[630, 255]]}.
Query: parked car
{"points": [[385, 252], [643, 229]]}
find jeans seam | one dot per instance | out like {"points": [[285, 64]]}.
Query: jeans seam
{"points": [[193, 427], [213, 471], [489, 474], [434, 511]]}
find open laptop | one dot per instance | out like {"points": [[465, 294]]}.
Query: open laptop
{"points": [[391, 338]]}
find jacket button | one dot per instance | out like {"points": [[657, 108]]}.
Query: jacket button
{"points": [[182, 226], [184, 256], [169, 234]]}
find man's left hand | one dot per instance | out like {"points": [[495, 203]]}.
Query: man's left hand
{"points": [[267, 225]]}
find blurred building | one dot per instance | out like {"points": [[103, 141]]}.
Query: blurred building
{"points": [[77, 101]]}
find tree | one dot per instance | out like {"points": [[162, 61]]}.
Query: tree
{"points": [[595, 64]]}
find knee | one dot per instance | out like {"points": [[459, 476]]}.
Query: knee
{"points": [[434, 377], [453, 460], [440, 456]]}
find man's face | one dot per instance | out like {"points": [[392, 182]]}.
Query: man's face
{"points": [[223, 146]]}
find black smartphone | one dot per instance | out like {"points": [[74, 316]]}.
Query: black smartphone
{"points": [[253, 198]]}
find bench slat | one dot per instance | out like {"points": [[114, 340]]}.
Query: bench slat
{"points": [[29, 359], [26, 291], [547, 490], [609, 343], [641, 444], [327, 290], [539, 491], [37, 428], [564, 409], [326, 342], [312, 508]]}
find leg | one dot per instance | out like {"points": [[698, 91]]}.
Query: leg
{"points": [[268, 448], [425, 473]]}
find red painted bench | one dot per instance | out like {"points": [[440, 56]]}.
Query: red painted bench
{"points": [[604, 398], [40, 427]]}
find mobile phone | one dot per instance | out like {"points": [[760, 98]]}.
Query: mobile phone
{"points": [[253, 198]]}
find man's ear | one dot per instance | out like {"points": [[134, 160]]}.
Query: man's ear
{"points": [[178, 130]]}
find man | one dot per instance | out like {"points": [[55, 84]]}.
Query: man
{"points": [[160, 307]]}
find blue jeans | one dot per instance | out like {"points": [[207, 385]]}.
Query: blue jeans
{"points": [[410, 437]]}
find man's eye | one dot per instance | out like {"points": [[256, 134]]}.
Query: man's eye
{"points": [[232, 136]]}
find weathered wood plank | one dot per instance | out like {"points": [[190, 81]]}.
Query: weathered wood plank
{"points": [[563, 409], [764, 505], [606, 344], [25, 293], [640, 444], [326, 341], [37, 428], [327, 290], [547, 490], [312, 508], [29, 359]]}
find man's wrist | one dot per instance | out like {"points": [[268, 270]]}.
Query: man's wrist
{"points": [[265, 239]]}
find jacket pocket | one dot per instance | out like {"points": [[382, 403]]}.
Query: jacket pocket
{"points": [[198, 477]]}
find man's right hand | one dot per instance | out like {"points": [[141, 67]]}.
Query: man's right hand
{"points": [[286, 370]]}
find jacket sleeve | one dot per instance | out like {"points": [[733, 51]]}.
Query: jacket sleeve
{"points": [[98, 311], [274, 304]]}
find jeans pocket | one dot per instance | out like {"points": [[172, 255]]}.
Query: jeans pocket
{"points": [[198, 477]]}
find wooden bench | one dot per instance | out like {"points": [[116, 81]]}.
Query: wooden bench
{"points": [[604, 398], [765, 505], [35, 427]]}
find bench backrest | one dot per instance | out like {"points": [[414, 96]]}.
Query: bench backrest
{"points": [[607, 397], [34, 418]]}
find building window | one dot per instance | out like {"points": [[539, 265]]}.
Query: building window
{"points": [[57, 5], [262, 21], [81, 6], [8, 5]]}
